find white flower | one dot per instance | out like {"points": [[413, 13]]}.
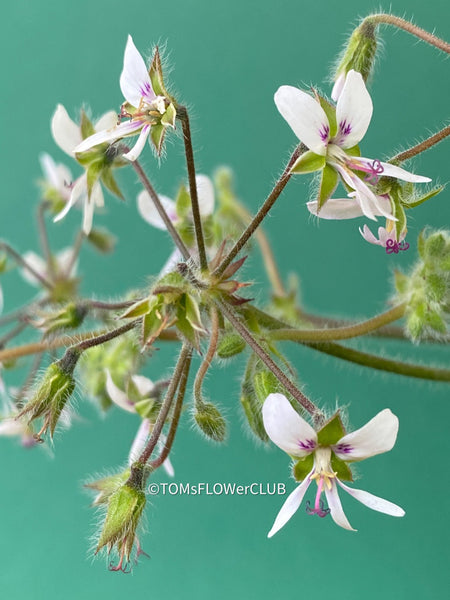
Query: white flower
{"points": [[58, 177], [62, 263], [327, 459], [148, 211], [387, 238], [145, 107], [144, 387], [68, 135], [332, 141]]}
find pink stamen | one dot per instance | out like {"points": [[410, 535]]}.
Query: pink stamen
{"points": [[319, 508], [393, 247]]}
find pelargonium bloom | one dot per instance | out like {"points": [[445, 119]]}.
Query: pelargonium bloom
{"points": [[331, 134], [148, 105], [57, 182], [86, 190], [323, 456], [144, 388], [64, 267]]}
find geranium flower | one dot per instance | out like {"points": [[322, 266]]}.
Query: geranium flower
{"points": [[86, 190], [144, 388], [61, 265], [331, 135], [148, 105], [57, 184], [323, 456], [387, 238]]}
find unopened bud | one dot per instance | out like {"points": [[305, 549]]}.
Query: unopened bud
{"points": [[210, 421], [229, 345], [102, 240]]}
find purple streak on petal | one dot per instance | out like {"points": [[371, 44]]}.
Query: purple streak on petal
{"points": [[344, 127], [344, 448], [324, 132], [307, 445]]}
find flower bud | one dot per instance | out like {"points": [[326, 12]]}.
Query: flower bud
{"points": [[54, 391], [125, 507], [359, 55], [102, 240], [210, 421], [69, 317], [107, 486], [229, 345]]}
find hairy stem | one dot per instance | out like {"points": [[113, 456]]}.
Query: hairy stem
{"points": [[198, 383], [242, 330], [43, 238], [422, 146], [75, 252], [262, 212], [161, 210], [154, 464], [426, 36], [185, 353], [340, 333], [23, 263], [189, 152]]}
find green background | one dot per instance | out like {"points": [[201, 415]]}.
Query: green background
{"points": [[228, 59]]}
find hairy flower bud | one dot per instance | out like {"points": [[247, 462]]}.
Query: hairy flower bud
{"points": [[107, 486], [210, 421], [229, 345]]}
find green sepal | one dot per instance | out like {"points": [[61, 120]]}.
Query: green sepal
{"points": [[92, 155], [328, 184], [330, 111], [192, 311], [145, 407], [183, 202], [424, 197], [157, 133], [398, 212], [156, 75], [102, 240], [421, 245], [309, 162], [303, 467], [265, 383], [140, 308], [210, 420], [341, 468], [92, 175], [353, 151], [252, 411], [86, 127], [151, 325], [169, 117], [110, 183], [331, 432]]}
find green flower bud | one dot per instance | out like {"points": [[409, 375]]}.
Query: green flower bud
{"points": [[125, 508], [102, 240], [51, 397], [229, 345], [69, 317], [210, 421], [107, 486], [358, 55]]}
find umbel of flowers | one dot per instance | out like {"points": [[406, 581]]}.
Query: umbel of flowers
{"points": [[198, 301]]}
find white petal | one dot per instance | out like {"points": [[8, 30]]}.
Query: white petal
{"points": [[286, 428], [305, 116], [139, 441], [37, 263], [118, 396], [290, 506], [205, 193], [338, 87], [134, 80], [143, 384], [79, 189], [11, 427], [65, 132], [374, 502], [136, 150], [170, 263], [106, 121], [49, 169], [149, 213], [110, 135], [64, 259], [399, 173], [96, 199], [377, 436], [335, 506], [369, 236], [337, 208], [353, 111], [363, 194]]}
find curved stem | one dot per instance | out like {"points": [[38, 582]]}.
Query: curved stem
{"points": [[422, 146], [189, 152], [198, 383], [154, 464], [161, 210], [166, 405], [23, 263], [242, 330], [422, 34], [262, 212], [382, 364], [340, 333]]}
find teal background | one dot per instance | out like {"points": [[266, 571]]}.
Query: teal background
{"points": [[228, 59]]}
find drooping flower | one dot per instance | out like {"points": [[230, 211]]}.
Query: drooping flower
{"points": [[387, 238], [323, 456], [142, 403], [331, 134], [148, 105], [98, 164]]}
